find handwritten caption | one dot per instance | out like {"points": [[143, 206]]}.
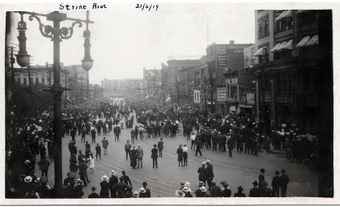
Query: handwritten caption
{"points": [[147, 7]]}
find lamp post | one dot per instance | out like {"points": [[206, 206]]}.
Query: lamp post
{"points": [[57, 34]]}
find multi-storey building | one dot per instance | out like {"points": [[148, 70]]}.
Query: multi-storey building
{"points": [[221, 59], [77, 83], [290, 62], [152, 84], [170, 76]]}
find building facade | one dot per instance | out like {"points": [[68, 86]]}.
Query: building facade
{"points": [[290, 56], [221, 59], [127, 88]]}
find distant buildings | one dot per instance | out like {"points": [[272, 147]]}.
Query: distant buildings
{"points": [[130, 88]]}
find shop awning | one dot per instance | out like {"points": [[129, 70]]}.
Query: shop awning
{"points": [[313, 41], [284, 14], [280, 16], [287, 46], [274, 49], [303, 41], [260, 51]]}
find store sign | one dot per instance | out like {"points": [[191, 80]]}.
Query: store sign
{"points": [[197, 96], [231, 81], [221, 94], [250, 98], [221, 56]]}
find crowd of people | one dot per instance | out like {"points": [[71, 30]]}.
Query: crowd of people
{"points": [[33, 138]]}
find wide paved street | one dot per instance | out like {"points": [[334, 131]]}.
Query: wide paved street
{"points": [[241, 169]]}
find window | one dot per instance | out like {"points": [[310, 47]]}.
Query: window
{"points": [[25, 81], [19, 80], [283, 24], [308, 17], [233, 92], [263, 26], [36, 80], [43, 81]]}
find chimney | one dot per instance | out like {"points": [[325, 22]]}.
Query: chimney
{"points": [[231, 42]]}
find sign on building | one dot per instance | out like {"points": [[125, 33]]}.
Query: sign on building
{"points": [[197, 96], [221, 94], [221, 56], [250, 98], [230, 81]]}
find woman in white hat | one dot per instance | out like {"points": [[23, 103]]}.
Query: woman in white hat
{"points": [[142, 193], [179, 193], [104, 187], [187, 191]]}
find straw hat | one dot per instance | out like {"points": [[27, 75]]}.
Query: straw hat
{"points": [[28, 179], [186, 189], [142, 190], [113, 172], [203, 189], [179, 193], [105, 178]]}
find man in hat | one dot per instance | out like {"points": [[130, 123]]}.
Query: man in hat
{"points": [[187, 191], [185, 155], [120, 188], [98, 152], [210, 172], [180, 155], [105, 144], [94, 194], [83, 172], [284, 180], [198, 147], [140, 156], [142, 193], [202, 192], [261, 178], [133, 157], [112, 182], [147, 190], [276, 184], [215, 191], [160, 147], [226, 192], [70, 180], [43, 166], [240, 192], [254, 192], [126, 179], [202, 173], [104, 187], [154, 156], [127, 148]]}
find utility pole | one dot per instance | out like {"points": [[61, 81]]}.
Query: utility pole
{"points": [[177, 90]]}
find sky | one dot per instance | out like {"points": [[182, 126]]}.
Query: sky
{"points": [[124, 40]]}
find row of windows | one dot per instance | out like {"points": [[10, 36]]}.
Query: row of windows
{"points": [[44, 81], [285, 23]]}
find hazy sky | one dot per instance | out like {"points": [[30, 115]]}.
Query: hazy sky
{"points": [[125, 39]]}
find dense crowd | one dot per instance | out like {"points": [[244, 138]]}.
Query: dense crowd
{"points": [[33, 138]]}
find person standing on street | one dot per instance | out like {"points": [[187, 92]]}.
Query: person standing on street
{"points": [[140, 156], [154, 156], [127, 148], [160, 147], [254, 192], [105, 144], [230, 145], [126, 179], [284, 180], [98, 152], [193, 140], [276, 184], [210, 172], [112, 182], [202, 173], [180, 156], [104, 187], [261, 179], [93, 135], [83, 172], [198, 147], [116, 131], [133, 157], [43, 166], [185, 155]]}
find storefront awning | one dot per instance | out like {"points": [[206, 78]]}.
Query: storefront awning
{"points": [[303, 41], [260, 51], [284, 14], [313, 41], [287, 46], [278, 45]]}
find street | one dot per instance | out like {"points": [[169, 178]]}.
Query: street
{"points": [[241, 169]]}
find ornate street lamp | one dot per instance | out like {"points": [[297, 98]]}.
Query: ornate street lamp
{"points": [[57, 34], [23, 58], [87, 62]]}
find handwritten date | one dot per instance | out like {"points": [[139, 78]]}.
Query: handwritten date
{"points": [[147, 7]]}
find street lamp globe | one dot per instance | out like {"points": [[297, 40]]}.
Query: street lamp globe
{"points": [[23, 60], [87, 64]]}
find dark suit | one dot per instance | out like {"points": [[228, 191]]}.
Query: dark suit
{"points": [[154, 156]]}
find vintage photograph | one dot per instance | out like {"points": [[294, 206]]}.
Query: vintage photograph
{"points": [[147, 100]]}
